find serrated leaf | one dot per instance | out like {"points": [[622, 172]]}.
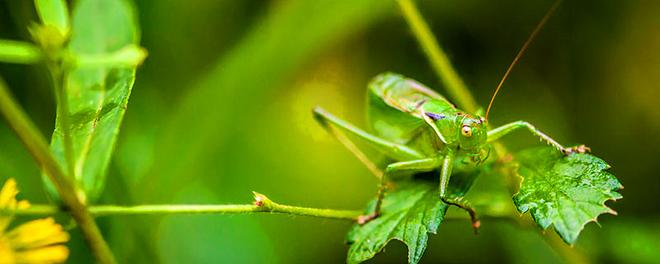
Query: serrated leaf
{"points": [[564, 191], [97, 95], [409, 213]]}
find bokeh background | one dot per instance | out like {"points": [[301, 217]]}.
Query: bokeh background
{"points": [[222, 106]]}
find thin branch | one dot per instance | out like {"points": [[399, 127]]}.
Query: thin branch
{"points": [[262, 204], [36, 144], [164, 209], [438, 58], [59, 86]]}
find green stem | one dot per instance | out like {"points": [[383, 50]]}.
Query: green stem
{"points": [[106, 210], [438, 58], [262, 205], [57, 74], [569, 253], [38, 148]]}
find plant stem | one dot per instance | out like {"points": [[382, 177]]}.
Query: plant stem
{"points": [[438, 58], [57, 75], [569, 253], [106, 210], [165, 209], [38, 148], [261, 205]]}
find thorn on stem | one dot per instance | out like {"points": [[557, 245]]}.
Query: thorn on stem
{"points": [[261, 200]]}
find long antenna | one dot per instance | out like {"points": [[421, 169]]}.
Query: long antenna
{"points": [[522, 51]]}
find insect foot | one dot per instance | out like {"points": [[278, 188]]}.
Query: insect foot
{"points": [[363, 219], [576, 149], [465, 205]]}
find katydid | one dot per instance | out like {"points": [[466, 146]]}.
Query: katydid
{"points": [[421, 131]]}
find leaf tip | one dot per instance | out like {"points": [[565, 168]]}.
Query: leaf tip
{"points": [[612, 212]]}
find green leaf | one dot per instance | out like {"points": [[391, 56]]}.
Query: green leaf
{"points": [[409, 213], [565, 191], [410, 210], [19, 52], [97, 94], [54, 13]]}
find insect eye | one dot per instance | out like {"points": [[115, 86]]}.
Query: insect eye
{"points": [[466, 131]]}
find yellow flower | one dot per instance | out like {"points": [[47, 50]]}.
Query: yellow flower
{"points": [[37, 241]]}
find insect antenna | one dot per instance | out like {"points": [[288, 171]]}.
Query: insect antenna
{"points": [[522, 51]]}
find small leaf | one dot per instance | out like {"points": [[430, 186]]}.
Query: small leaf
{"points": [[409, 213], [54, 13], [565, 191], [97, 91], [19, 52]]}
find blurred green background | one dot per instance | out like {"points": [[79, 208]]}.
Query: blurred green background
{"points": [[222, 106]]}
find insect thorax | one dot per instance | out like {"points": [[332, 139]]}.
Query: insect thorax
{"points": [[399, 109]]}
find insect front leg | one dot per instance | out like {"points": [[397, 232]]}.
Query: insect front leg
{"points": [[411, 166], [445, 174], [501, 131]]}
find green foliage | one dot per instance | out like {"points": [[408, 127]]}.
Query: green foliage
{"points": [[97, 84], [409, 213], [277, 67], [564, 191]]}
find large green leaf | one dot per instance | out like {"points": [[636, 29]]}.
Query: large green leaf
{"points": [[97, 93], [565, 191], [409, 213]]}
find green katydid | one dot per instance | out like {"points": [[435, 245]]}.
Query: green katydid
{"points": [[421, 131]]}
